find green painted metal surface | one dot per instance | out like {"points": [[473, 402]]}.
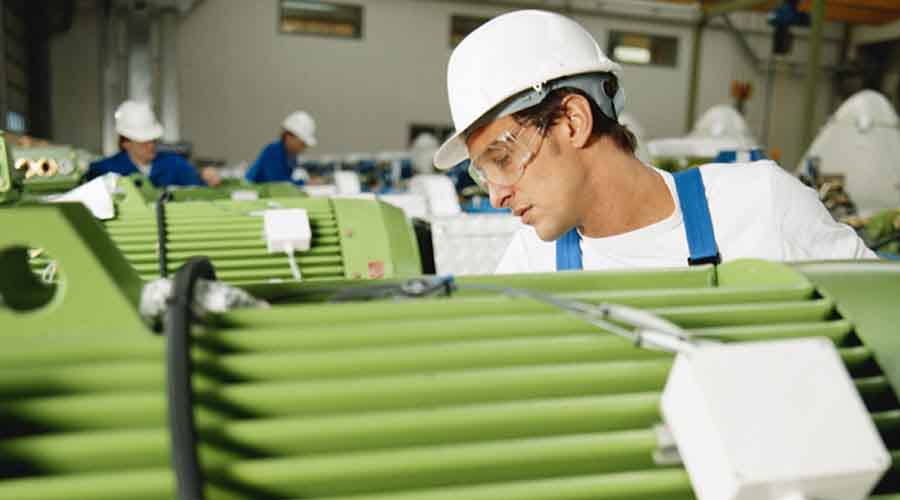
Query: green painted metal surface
{"points": [[10, 179], [869, 295], [225, 191], [94, 276], [352, 239], [387, 251], [71, 165], [473, 396]]}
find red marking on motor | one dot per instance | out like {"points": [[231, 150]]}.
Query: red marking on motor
{"points": [[376, 269]]}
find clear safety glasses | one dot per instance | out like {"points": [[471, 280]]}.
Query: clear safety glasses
{"points": [[503, 162]]}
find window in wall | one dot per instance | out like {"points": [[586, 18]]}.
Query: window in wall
{"points": [[15, 66], [308, 17], [15, 122], [637, 48], [460, 26]]}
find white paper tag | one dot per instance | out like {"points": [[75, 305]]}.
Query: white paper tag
{"points": [[287, 229]]}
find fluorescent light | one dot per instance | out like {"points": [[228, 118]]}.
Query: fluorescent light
{"points": [[636, 55], [300, 5]]}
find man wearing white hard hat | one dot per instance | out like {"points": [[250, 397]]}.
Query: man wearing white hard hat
{"points": [[536, 106], [138, 133], [277, 161]]}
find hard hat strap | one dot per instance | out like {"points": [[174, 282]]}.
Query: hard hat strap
{"points": [[592, 84]]}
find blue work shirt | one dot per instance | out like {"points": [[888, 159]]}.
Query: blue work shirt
{"points": [[274, 164], [167, 169]]}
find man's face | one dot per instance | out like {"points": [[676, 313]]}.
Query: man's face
{"points": [[293, 144], [140, 152], [546, 196]]}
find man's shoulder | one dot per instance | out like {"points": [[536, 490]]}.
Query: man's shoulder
{"points": [[109, 160], [753, 180], [756, 171], [100, 164], [112, 163], [273, 148]]}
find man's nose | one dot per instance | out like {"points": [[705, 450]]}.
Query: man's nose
{"points": [[499, 194]]}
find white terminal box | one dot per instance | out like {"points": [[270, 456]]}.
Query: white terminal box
{"points": [[286, 229], [772, 420]]}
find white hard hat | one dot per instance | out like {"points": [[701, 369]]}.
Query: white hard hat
{"points": [[302, 125], [508, 54], [136, 121]]}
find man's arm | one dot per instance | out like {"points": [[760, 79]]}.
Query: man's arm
{"points": [[188, 175], [807, 228], [255, 172], [94, 170]]}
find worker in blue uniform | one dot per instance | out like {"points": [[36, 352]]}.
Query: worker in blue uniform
{"points": [[138, 132], [277, 161]]}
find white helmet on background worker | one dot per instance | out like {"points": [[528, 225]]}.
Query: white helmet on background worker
{"points": [[513, 53], [423, 148], [301, 124], [135, 121]]}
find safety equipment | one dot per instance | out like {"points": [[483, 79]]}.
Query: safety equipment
{"points": [[512, 53], [503, 162], [423, 149], [136, 121], [301, 124]]}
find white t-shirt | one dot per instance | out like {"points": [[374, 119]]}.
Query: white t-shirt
{"points": [[758, 211]]}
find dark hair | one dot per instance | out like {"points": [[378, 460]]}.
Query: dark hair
{"points": [[550, 111], [122, 140]]}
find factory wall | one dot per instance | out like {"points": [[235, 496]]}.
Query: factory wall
{"points": [[239, 77], [364, 94], [723, 60], [75, 81]]}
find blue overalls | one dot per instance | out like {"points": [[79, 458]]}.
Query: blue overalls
{"points": [[697, 225], [167, 169], [274, 164]]}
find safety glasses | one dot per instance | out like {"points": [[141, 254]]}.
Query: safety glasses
{"points": [[503, 162]]}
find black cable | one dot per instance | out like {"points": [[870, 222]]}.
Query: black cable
{"points": [[189, 477], [161, 232], [422, 229]]}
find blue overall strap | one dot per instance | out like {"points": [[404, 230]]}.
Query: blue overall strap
{"points": [[697, 222], [568, 251]]}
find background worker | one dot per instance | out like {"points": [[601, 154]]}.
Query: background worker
{"points": [[277, 161], [139, 132]]}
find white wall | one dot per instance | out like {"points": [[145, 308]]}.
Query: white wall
{"points": [[364, 94], [239, 77], [655, 95], [723, 61], [75, 82]]}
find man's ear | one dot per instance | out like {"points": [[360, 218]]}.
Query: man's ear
{"points": [[579, 120]]}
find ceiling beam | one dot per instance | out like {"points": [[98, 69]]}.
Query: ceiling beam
{"points": [[871, 12], [729, 6]]}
